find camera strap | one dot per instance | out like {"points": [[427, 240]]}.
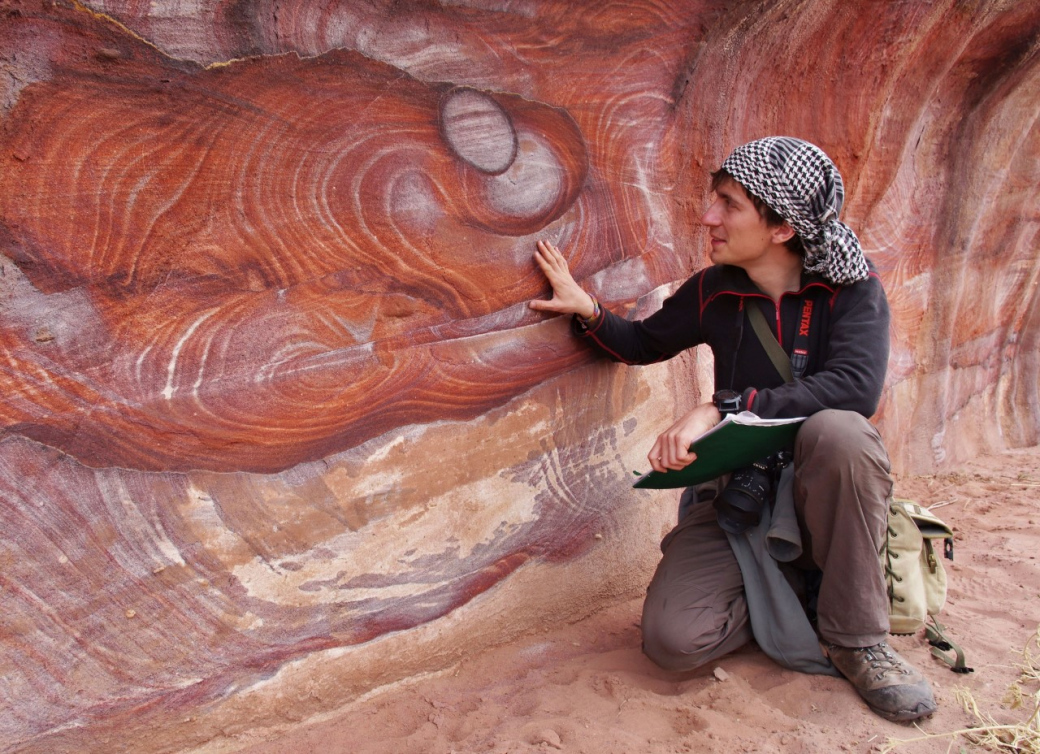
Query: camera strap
{"points": [[789, 367]]}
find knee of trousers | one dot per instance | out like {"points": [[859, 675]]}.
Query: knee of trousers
{"points": [[833, 438], [688, 639]]}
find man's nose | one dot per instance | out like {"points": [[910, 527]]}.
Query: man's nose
{"points": [[711, 215]]}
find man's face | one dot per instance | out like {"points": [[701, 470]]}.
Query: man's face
{"points": [[739, 234]]}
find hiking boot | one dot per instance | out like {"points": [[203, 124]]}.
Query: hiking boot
{"points": [[889, 685]]}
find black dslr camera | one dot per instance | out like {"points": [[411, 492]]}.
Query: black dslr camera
{"points": [[739, 506]]}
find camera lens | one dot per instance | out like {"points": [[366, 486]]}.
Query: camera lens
{"points": [[739, 506]]}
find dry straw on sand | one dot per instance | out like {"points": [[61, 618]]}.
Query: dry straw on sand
{"points": [[1015, 738]]}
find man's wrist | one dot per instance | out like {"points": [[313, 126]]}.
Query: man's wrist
{"points": [[595, 312]]}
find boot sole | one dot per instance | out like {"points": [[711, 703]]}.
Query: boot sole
{"points": [[903, 716]]}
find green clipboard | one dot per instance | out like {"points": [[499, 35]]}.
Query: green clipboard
{"points": [[738, 440]]}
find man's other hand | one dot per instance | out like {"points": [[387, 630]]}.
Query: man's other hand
{"points": [[671, 452]]}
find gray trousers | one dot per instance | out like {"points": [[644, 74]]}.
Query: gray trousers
{"points": [[695, 609]]}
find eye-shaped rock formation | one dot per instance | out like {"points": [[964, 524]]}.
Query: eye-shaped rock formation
{"points": [[245, 312], [283, 257]]}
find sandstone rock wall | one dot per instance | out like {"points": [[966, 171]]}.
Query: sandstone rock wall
{"points": [[277, 424]]}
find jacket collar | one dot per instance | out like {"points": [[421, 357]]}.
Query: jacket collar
{"points": [[735, 280]]}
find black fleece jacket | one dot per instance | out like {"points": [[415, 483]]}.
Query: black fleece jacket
{"points": [[848, 339]]}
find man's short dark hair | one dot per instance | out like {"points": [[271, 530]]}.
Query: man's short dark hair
{"points": [[767, 213]]}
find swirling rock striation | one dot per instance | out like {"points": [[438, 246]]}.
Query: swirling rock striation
{"points": [[284, 257], [244, 309], [929, 110]]}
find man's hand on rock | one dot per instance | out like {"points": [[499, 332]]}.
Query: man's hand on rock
{"points": [[568, 296]]}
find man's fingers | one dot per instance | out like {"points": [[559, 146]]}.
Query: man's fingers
{"points": [[550, 260], [662, 457], [656, 456], [541, 305], [568, 297], [552, 254], [670, 453], [681, 462], [671, 450]]}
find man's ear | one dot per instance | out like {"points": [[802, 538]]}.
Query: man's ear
{"points": [[783, 233]]}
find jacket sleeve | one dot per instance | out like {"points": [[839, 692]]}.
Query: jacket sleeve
{"points": [[670, 330], [853, 373]]}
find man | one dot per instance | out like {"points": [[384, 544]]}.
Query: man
{"points": [[776, 245]]}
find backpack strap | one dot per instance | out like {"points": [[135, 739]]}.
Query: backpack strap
{"points": [[935, 633], [776, 353]]}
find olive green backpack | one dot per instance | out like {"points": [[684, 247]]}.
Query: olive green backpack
{"points": [[912, 556]]}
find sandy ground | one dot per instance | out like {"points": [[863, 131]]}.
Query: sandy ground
{"points": [[587, 688]]}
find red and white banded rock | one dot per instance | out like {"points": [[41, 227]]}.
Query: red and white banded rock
{"points": [[284, 257]]}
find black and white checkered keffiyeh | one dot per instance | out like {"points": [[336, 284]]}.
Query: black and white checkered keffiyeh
{"points": [[800, 182]]}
